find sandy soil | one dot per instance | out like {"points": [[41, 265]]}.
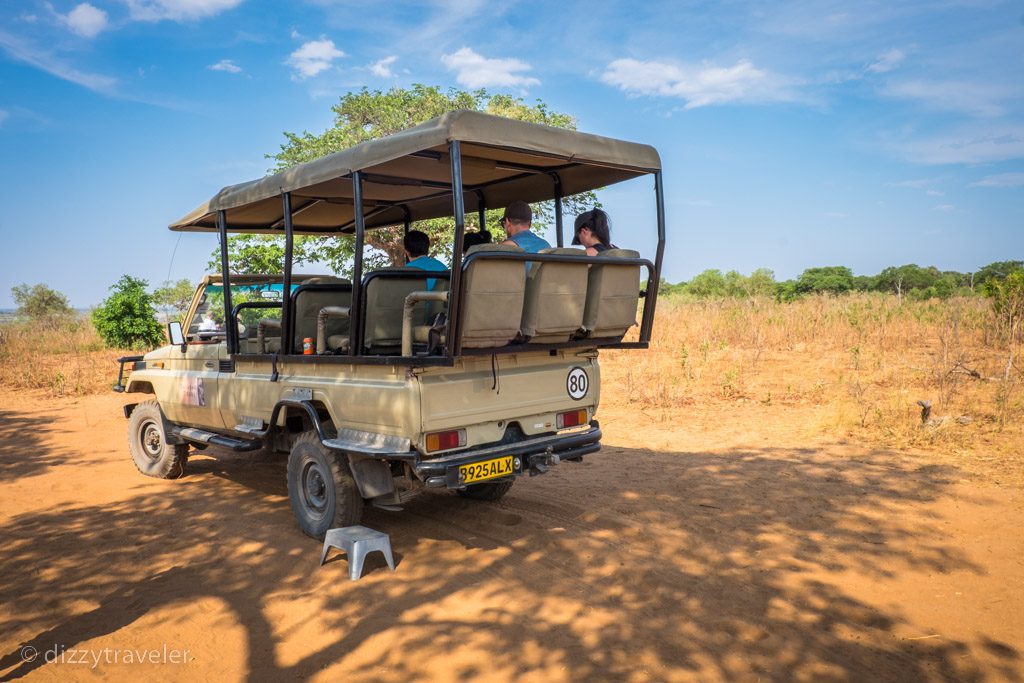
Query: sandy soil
{"points": [[708, 549]]}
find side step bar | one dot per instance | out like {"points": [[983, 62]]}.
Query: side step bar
{"points": [[203, 437]]}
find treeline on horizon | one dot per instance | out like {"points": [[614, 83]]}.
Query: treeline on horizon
{"points": [[911, 281]]}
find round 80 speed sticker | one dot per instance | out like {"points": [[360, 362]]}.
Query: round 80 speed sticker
{"points": [[577, 383]]}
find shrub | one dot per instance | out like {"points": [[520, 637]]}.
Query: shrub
{"points": [[39, 303], [126, 319]]}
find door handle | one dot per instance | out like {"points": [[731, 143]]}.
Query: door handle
{"points": [[208, 364]]}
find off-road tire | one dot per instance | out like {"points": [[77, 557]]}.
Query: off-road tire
{"points": [[321, 489], [492, 491], [147, 441]]}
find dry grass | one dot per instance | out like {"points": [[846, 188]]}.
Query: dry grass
{"points": [[854, 367], [64, 359], [862, 362]]}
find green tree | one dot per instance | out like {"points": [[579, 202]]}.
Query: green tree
{"points": [[900, 280], [39, 303], [367, 115], [760, 283], [999, 270], [174, 297], [826, 279], [710, 283], [126, 319]]}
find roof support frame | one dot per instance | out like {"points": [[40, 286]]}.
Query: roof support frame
{"points": [[651, 295], [289, 251], [230, 331], [355, 313], [558, 207], [455, 286]]}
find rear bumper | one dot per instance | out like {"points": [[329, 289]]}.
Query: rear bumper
{"points": [[534, 456]]}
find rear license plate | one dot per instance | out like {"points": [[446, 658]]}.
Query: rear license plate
{"points": [[488, 469]]}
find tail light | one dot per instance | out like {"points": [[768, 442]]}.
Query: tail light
{"points": [[573, 418], [442, 441]]}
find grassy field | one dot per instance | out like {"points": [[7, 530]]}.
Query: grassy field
{"points": [[856, 367], [862, 362], [64, 359]]}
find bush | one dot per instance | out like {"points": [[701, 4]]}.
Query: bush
{"points": [[39, 303], [126, 319]]}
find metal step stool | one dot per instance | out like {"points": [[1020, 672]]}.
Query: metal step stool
{"points": [[357, 542]]}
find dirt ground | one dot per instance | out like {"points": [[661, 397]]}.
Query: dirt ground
{"points": [[720, 546]]}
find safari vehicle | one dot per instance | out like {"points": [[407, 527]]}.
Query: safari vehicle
{"points": [[398, 379]]}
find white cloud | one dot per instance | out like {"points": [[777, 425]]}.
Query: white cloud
{"points": [[85, 20], [1001, 180], [968, 146], [919, 184], [4, 115], [966, 97], [382, 67], [935, 193], [177, 10], [476, 71], [702, 85], [944, 208], [314, 57], [887, 61], [42, 60], [226, 65]]}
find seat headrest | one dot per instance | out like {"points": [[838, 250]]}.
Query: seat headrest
{"points": [[326, 280], [495, 247], [619, 253], [565, 251]]}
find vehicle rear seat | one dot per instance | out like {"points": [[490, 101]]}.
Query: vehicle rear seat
{"points": [[492, 304], [385, 298], [613, 292], [308, 304], [555, 297]]}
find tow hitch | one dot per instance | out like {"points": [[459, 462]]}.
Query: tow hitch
{"points": [[542, 462]]}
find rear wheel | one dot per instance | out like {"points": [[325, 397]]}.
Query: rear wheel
{"points": [[322, 492], [490, 491], [147, 441]]}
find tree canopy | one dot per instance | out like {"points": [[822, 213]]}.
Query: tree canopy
{"points": [[126, 318], [40, 303], [174, 297], [910, 280], [366, 115]]}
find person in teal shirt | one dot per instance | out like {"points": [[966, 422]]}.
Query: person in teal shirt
{"points": [[517, 221], [417, 246]]}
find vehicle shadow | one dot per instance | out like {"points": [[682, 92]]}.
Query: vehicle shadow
{"points": [[688, 564]]}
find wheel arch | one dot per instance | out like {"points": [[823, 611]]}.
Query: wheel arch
{"points": [[140, 387]]}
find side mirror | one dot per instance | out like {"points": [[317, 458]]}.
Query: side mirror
{"points": [[175, 334]]}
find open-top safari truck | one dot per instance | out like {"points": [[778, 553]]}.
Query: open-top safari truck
{"points": [[464, 379]]}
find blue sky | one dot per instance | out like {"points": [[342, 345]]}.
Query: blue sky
{"points": [[792, 134]]}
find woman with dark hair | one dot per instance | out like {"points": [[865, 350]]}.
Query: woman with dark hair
{"points": [[472, 239], [593, 231]]}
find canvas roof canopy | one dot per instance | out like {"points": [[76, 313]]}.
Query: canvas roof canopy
{"points": [[408, 176]]}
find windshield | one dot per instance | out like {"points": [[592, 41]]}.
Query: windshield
{"points": [[208, 321]]}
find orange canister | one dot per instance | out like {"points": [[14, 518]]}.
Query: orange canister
{"points": [[307, 346]]}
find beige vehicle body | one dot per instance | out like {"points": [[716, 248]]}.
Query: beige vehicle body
{"points": [[399, 380], [202, 387]]}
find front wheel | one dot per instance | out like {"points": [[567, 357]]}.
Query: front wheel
{"points": [[147, 441], [322, 492], [491, 491]]}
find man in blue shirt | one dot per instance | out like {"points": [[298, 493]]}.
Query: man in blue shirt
{"points": [[417, 245], [517, 221]]}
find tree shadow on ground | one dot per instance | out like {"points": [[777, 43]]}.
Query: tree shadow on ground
{"points": [[21, 451], [653, 565]]}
